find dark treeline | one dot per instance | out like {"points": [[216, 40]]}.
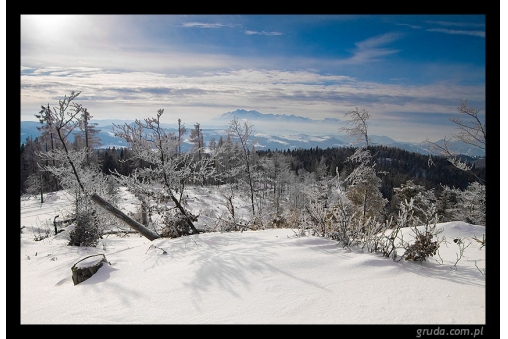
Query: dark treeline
{"points": [[395, 167]]}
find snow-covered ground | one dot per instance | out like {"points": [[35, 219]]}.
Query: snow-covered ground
{"points": [[253, 277]]}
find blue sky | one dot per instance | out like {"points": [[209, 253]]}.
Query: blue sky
{"points": [[409, 71]]}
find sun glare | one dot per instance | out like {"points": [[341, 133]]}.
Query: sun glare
{"points": [[47, 26]]}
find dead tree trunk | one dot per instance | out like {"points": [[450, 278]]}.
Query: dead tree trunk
{"points": [[150, 235]]}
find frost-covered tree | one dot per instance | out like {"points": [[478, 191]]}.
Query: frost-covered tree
{"points": [[471, 204], [363, 186], [32, 179], [363, 189], [196, 138], [447, 204], [276, 174], [422, 199], [74, 174], [472, 131], [243, 133], [88, 137], [212, 144], [163, 180], [356, 128], [181, 131], [228, 160]]}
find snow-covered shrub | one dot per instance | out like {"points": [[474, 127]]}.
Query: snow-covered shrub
{"points": [[256, 223], [42, 232], [423, 247], [426, 242]]}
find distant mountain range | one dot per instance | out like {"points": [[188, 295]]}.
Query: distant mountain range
{"points": [[253, 115], [271, 131]]}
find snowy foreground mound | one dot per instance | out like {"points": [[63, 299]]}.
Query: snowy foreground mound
{"points": [[254, 277]]}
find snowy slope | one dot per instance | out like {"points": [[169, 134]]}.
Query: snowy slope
{"points": [[251, 277]]}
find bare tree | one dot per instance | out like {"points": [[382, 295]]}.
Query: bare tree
{"points": [[243, 134], [471, 131], [357, 120]]}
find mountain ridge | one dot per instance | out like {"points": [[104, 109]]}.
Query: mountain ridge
{"points": [[258, 116]]}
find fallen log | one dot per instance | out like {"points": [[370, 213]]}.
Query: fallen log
{"points": [[150, 235]]}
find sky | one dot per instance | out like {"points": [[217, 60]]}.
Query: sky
{"points": [[267, 276], [410, 72]]}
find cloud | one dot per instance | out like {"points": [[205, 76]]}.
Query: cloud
{"points": [[204, 25], [452, 31], [412, 26], [451, 24], [459, 24], [284, 92], [219, 25], [473, 32], [262, 33], [371, 49]]}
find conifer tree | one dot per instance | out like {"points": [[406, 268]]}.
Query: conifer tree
{"points": [[196, 138]]}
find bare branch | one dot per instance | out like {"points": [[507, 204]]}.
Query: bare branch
{"points": [[445, 151], [471, 131]]}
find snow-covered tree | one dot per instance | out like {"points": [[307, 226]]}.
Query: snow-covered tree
{"points": [[447, 203], [422, 199], [196, 138], [181, 131], [75, 175], [166, 174], [276, 174], [88, 137], [363, 186], [471, 204], [32, 179], [243, 133], [472, 131]]}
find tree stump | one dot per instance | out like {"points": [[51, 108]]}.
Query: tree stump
{"points": [[86, 267]]}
